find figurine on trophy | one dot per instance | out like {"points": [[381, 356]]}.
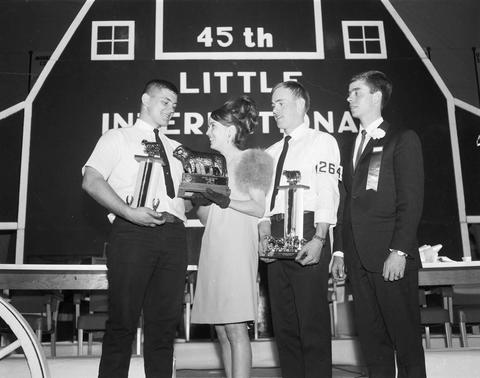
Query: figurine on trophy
{"points": [[292, 241], [202, 170], [149, 177]]}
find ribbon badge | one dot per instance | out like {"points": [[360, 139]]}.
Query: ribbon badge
{"points": [[374, 168]]}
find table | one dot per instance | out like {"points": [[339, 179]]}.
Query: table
{"points": [[449, 273], [71, 277], [94, 277], [56, 277]]}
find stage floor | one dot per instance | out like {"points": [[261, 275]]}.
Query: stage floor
{"points": [[454, 363], [201, 360], [337, 372]]}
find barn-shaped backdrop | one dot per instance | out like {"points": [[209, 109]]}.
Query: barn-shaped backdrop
{"points": [[213, 51]]}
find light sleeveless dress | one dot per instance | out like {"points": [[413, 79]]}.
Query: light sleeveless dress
{"points": [[226, 289]]}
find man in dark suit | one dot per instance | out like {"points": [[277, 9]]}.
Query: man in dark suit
{"points": [[383, 179]]}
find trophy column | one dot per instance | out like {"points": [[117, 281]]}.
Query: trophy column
{"points": [[292, 241], [149, 178]]}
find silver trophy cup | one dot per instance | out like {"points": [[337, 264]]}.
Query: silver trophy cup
{"points": [[292, 241]]}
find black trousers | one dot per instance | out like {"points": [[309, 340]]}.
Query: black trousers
{"points": [[146, 270], [387, 318], [300, 312]]}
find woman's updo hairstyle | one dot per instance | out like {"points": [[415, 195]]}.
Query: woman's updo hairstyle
{"points": [[241, 113]]}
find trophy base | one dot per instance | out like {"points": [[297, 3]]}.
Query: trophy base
{"points": [[285, 255], [197, 183], [283, 248]]}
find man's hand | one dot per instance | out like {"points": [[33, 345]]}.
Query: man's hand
{"points": [[338, 268], [220, 199], [143, 216], [310, 253], [394, 267]]}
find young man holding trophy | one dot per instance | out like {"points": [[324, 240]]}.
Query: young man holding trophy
{"points": [[133, 174], [301, 207]]}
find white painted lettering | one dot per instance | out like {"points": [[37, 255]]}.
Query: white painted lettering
{"points": [[265, 117], [248, 34], [291, 75], [206, 82], [192, 121], [318, 120], [264, 88], [347, 123], [247, 87], [223, 80], [183, 84], [264, 39]]}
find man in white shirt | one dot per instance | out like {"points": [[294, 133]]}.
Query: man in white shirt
{"points": [[298, 288], [147, 254]]}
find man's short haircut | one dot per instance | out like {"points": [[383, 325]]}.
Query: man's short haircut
{"points": [[297, 89], [377, 81], [159, 84]]}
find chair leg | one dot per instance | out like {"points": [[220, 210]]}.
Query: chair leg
{"points": [[427, 337], [90, 343], [255, 323], [53, 344], [80, 342], [138, 344], [77, 315], [463, 334], [332, 325], [187, 321], [448, 334], [212, 332]]}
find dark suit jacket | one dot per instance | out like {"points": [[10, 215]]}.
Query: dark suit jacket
{"points": [[388, 217]]}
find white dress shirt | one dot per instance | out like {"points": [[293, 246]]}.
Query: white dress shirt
{"points": [[368, 129], [114, 158], [316, 155]]}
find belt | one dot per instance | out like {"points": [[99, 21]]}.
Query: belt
{"points": [[280, 217], [170, 218]]}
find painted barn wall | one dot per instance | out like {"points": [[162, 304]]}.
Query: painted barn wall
{"points": [[29, 25], [67, 117], [10, 150], [450, 28], [469, 139]]}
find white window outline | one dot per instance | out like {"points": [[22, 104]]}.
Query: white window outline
{"points": [[381, 38], [131, 40], [240, 55]]}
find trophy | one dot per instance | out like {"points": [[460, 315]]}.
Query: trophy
{"points": [[292, 241], [149, 177], [202, 170]]}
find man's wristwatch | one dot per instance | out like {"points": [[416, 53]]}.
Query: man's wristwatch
{"points": [[318, 237], [400, 253]]}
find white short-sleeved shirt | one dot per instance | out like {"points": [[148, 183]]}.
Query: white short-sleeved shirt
{"points": [[114, 158], [316, 155]]}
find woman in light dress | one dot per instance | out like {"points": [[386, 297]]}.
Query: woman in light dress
{"points": [[226, 290]]}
